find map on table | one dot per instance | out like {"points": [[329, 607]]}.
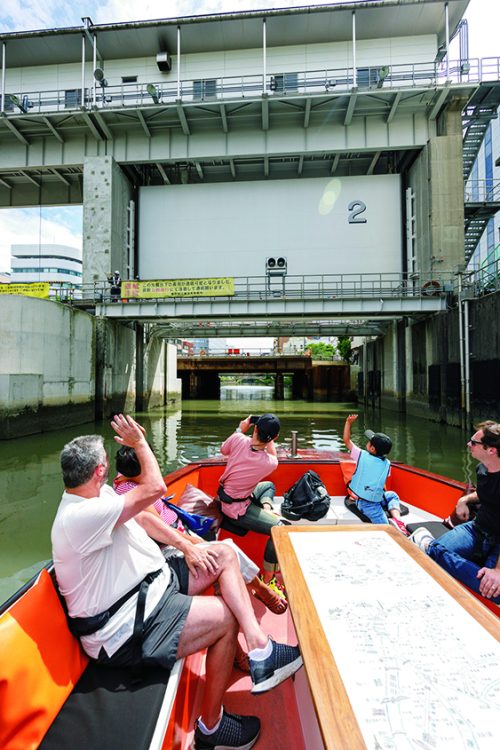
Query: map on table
{"points": [[420, 672]]}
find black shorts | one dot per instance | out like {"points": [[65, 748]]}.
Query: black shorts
{"points": [[162, 629]]}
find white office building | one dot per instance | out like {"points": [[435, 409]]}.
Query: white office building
{"points": [[47, 262]]}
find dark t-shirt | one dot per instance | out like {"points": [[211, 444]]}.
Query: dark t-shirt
{"points": [[488, 491]]}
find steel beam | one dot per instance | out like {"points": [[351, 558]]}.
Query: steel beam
{"points": [[53, 129], [13, 129]]}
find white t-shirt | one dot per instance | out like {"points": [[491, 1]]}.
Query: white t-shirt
{"points": [[96, 563]]}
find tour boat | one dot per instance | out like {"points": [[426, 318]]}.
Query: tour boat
{"points": [[52, 697]]}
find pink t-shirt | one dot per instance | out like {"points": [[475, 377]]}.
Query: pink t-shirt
{"points": [[245, 468], [167, 516]]}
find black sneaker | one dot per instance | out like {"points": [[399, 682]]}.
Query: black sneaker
{"points": [[234, 733], [282, 663]]}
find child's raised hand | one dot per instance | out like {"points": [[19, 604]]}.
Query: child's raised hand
{"points": [[351, 418]]}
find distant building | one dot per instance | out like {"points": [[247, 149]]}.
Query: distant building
{"points": [[53, 263]]}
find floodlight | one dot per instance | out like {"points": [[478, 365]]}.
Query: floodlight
{"points": [[153, 92], [24, 104], [99, 76], [276, 266]]}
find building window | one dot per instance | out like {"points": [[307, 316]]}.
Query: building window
{"points": [[285, 82], [129, 79], [490, 235], [488, 161], [8, 104], [72, 98], [206, 88]]}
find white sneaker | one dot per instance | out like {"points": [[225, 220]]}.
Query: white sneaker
{"points": [[422, 538]]}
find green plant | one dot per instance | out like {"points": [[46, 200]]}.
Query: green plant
{"points": [[344, 348], [320, 350]]}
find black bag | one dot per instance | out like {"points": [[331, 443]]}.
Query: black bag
{"points": [[307, 498]]}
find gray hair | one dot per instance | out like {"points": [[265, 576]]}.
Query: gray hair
{"points": [[80, 458]]}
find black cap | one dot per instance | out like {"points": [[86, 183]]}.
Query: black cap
{"points": [[268, 427], [382, 443]]}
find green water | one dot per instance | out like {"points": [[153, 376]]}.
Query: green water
{"points": [[30, 482]]}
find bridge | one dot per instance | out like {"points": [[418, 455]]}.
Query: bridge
{"points": [[315, 381]]}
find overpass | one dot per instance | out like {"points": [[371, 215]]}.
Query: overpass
{"points": [[315, 381], [326, 304]]}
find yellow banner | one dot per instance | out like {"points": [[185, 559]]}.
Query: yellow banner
{"points": [[216, 287], [36, 289]]}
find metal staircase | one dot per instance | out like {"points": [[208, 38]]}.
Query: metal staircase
{"points": [[477, 115], [481, 200]]}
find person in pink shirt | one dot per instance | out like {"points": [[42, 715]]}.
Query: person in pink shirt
{"points": [[245, 499]]}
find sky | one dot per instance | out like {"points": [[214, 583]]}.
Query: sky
{"points": [[63, 225]]}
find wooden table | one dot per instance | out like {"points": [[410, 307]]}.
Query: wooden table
{"points": [[394, 649]]}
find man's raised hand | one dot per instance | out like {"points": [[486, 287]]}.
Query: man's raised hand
{"points": [[128, 431]]}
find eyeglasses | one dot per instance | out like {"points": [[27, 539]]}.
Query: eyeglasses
{"points": [[475, 442]]}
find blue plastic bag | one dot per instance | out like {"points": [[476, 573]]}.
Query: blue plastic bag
{"points": [[193, 521]]}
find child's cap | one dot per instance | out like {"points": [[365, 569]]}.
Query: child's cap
{"points": [[382, 443]]}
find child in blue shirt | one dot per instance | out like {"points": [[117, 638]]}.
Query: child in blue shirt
{"points": [[368, 481]]}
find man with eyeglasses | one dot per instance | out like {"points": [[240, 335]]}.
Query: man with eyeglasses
{"points": [[471, 551]]}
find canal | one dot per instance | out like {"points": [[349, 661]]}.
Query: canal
{"points": [[30, 480]]}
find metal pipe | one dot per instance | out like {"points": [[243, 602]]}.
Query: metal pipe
{"points": [[2, 108], [466, 363], [447, 25], [264, 55], [82, 102], [94, 64], [365, 370], [354, 72], [293, 444], [461, 344], [178, 62]]}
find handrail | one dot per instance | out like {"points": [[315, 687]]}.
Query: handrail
{"points": [[282, 83], [482, 191], [292, 287]]}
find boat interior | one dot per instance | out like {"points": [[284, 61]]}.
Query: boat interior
{"points": [[52, 697]]}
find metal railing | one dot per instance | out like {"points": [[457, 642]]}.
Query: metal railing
{"points": [[482, 191], [321, 81], [292, 287], [483, 280]]}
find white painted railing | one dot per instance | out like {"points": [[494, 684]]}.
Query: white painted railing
{"points": [[280, 83]]}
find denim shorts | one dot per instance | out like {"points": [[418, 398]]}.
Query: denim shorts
{"points": [[162, 629]]}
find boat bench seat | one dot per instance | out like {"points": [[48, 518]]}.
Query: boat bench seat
{"points": [[337, 513], [108, 708], [52, 697]]}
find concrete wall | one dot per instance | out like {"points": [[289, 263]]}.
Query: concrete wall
{"points": [[60, 367], [161, 384], [46, 364], [430, 360], [304, 57], [437, 180]]}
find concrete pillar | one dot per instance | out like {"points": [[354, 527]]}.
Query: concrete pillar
{"points": [[401, 365], [279, 387], [437, 180], [139, 367], [106, 197]]}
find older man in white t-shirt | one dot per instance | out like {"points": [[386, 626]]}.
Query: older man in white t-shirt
{"points": [[130, 607]]}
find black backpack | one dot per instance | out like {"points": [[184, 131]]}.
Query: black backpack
{"points": [[307, 498]]}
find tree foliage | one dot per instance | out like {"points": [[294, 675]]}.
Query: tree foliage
{"points": [[321, 350], [344, 348]]}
